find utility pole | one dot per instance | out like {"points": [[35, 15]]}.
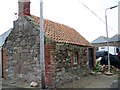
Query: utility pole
{"points": [[108, 38], [42, 62]]}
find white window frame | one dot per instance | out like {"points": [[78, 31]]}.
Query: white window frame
{"points": [[75, 58]]}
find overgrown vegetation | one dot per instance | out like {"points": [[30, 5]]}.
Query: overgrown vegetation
{"points": [[98, 68], [104, 68]]}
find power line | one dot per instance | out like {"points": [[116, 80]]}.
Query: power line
{"points": [[96, 16]]}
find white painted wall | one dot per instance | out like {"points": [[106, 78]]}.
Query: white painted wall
{"points": [[112, 49]]}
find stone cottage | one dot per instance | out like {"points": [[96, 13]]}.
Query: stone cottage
{"points": [[68, 55]]}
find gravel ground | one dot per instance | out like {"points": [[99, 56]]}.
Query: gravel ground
{"points": [[91, 81], [98, 81]]}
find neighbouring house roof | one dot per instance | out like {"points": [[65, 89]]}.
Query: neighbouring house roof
{"points": [[115, 38], [61, 33], [100, 39], [4, 36]]}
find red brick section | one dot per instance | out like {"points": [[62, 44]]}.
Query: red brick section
{"points": [[27, 10], [4, 64], [61, 33], [49, 64], [24, 7]]}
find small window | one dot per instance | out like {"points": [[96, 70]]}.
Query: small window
{"points": [[75, 58]]}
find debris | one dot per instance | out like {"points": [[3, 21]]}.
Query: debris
{"points": [[34, 84]]}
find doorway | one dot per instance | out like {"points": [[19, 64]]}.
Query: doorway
{"points": [[91, 58]]}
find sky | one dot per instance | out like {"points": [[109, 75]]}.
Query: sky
{"points": [[68, 12]]}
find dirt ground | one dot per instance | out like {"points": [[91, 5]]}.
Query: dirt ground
{"points": [[91, 81]]}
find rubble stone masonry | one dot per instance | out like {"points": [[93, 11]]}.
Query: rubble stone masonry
{"points": [[22, 57]]}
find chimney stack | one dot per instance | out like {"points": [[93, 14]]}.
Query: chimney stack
{"points": [[24, 7]]}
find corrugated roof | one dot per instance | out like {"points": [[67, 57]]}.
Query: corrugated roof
{"points": [[100, 39], [61, 33]]}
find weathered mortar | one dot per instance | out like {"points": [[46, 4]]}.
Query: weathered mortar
{"points": [[66, 71], [22, 51], [22, 56]]}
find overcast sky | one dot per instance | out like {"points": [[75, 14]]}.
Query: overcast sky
{"points": [[68, 12]]}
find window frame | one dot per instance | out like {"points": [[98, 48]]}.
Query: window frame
{"points": [[75, 58]]}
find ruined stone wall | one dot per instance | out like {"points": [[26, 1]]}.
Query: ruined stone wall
{"points": [[22, 53], [66, 70], [23, 60]]}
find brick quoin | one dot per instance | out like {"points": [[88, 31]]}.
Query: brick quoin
{"points": [[49, 64], [4, 64]]}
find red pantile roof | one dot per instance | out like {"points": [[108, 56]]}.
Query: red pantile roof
{"points": [[61, 33]]}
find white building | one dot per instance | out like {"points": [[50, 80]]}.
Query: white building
{"points": [[112, 49]]}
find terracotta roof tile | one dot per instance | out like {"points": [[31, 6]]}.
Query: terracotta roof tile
{"points": [[61, 33]]}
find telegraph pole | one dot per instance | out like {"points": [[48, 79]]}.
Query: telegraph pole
{"points": [[42, 62], [107, 38]]}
